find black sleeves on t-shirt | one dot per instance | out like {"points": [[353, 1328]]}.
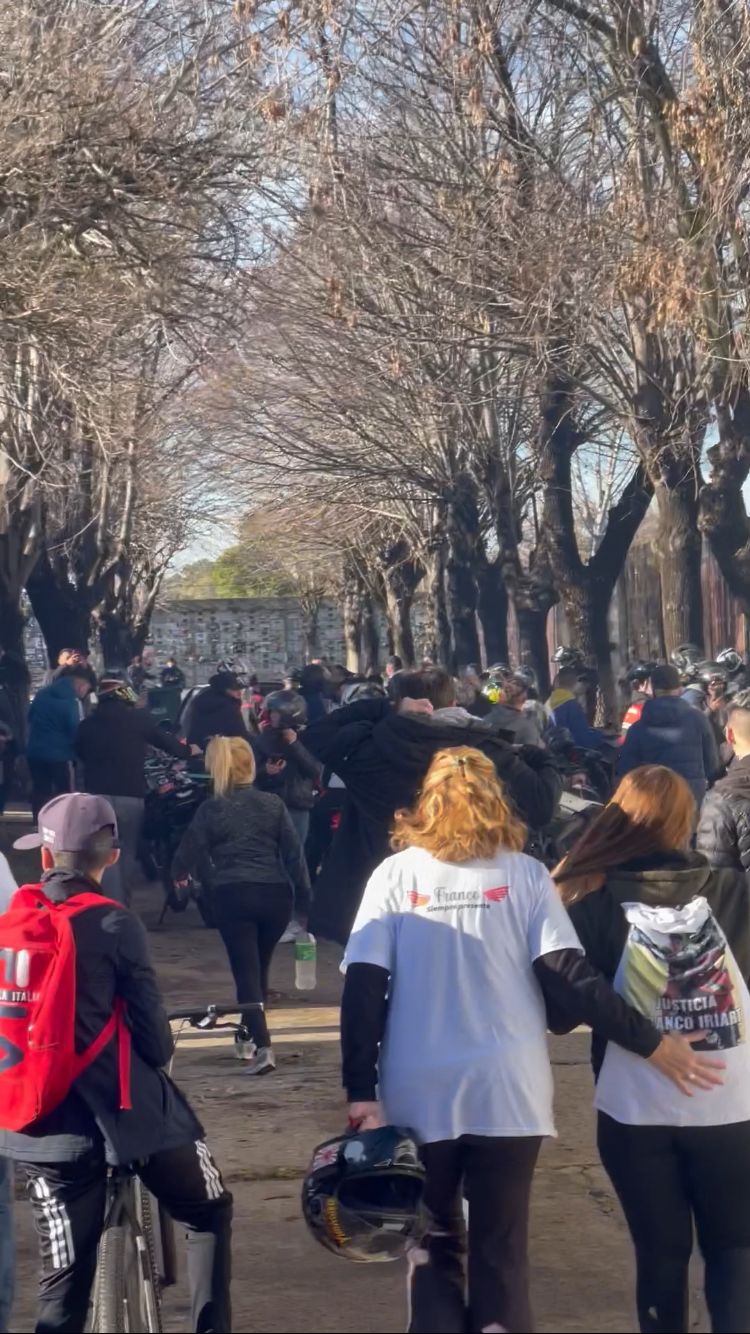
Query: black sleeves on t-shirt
{"points": [[576, 993], [364, 1006]]}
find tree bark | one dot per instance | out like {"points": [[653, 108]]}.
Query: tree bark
{"points": [[117, 643], [59, 608], [679, 546], [398, 609], [352, 609], [532, 636], [370, 635], [441, 631], [492, 606], [462, 533]]}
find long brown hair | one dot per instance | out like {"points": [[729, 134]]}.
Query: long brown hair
{"points": [[462, 811], [653, 810]]}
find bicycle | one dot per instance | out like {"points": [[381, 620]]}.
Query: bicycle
{"points": [[137, 1256]]}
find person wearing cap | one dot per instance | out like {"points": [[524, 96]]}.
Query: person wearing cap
{"points": [[54, 716], [672, 733], [112, 745], [217, 711], [64, 1160]]}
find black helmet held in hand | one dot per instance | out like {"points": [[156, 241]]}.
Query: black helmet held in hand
{"points": [[289, 705], [639, 673], [362, 1195]]}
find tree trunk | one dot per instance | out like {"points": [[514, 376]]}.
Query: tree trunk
{"points": [[587, 612], [679, 546], [532, 636], [352, 608], [398, 609], [493, 610], [63, 620], [441, 630], [370, 635], [462, 531], [116, 641]]}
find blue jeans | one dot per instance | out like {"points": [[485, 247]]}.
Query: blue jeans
{"points": [[7, 1243]]}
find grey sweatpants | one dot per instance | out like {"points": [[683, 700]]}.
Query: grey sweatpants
{"points": [[118, 880]]}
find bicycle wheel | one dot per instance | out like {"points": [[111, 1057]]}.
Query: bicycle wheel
{"points": [[126, 1295]]}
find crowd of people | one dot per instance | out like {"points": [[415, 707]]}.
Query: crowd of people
{"points": [[395, 815]]}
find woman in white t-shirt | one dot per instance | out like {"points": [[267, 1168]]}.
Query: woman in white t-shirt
{"points": [[673, 934], [458, 942]]}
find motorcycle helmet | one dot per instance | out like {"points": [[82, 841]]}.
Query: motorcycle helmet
{"points": [[567, 657], [685, 657], [111, 686], [354, 690], [495, 680], [528, 675], [362, 1195], [639, 673], [291, 707], [710, 672], [730, 659]]}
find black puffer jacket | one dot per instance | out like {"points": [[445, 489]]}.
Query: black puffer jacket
{"points": [[724, 828], [214, 713], [296, 782], [244, 838], [113, 743], [382, 756], [111, 961]]}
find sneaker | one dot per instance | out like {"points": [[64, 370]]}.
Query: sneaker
{"points": [[262, 1063], [244, 1049], [290, 935]]}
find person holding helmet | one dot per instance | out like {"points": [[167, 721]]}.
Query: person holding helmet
{"points": [[459, 942], [637, 678], [511, 715], [285, 766], [112, 744]]}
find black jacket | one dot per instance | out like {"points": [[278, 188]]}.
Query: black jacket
{"points": [[382, 757], [296, 782], [671, 879], [724, 827], [212, 713], [112, 744], [246, 837], [111, 960]]}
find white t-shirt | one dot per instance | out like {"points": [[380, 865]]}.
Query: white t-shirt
{"points": [[678, 969], [465, 1048]]}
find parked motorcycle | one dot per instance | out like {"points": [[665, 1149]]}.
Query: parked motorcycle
{"points": [[173, 796]]}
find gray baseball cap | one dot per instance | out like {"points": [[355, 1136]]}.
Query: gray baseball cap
{"points": [[71, 822]]}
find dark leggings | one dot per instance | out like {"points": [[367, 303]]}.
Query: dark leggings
{"points": [[49, 778], [666, 1178], [495, 1175], [250, 919]]}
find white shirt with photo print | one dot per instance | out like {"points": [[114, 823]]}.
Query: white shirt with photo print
{"points": [[465, 1048]]}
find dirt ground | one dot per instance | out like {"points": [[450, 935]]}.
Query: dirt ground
{"points": [[262, 1133]]}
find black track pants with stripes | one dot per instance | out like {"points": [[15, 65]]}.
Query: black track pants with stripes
{"points": [[69, 1200]]}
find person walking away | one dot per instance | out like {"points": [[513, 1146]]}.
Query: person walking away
{"points": [[63, 1159], [458, 925], [673, 934], [243, 847], [672, 733], [8, 888], [112, 745], [54, 716], [172, 676], [216, 711], [381, 752], [724, 824], [566, 711]]}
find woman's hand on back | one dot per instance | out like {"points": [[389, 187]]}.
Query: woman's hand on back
{"points": [[366, 1115], [688, 1069]]}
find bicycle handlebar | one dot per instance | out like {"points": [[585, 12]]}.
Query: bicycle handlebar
{"points": [[196, 1013]]}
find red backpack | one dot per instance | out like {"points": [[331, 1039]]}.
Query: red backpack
{"points": [[38, 1059]]}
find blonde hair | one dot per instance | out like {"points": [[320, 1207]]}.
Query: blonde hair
{"points": [[462, 811], [230, 762]]}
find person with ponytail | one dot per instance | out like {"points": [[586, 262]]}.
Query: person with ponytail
{"points": [[673, 935], [244, 849], [459, 941]]}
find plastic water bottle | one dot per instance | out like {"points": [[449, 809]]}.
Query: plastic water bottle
{"points": [[305, 961]]}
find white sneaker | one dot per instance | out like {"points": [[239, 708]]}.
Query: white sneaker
{"points": [[262, 1063], [244, 1050], [290, 935]]}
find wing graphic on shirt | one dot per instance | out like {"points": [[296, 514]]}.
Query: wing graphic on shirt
{"points": [[496, 895], [418, 900]]}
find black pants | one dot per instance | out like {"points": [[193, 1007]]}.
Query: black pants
{"points": [[48, 779], [251, 918], [666, 1178], [68, 1201], [495, 1176]]}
